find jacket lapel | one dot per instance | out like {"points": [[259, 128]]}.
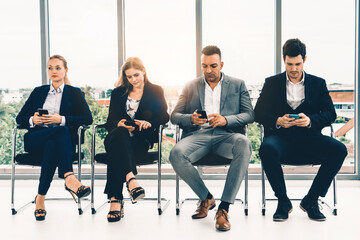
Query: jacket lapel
{"points": [[307, 83], [64, 99], [201, 92], [224, 90], [43, 96], [283, 97], [143, 100]]}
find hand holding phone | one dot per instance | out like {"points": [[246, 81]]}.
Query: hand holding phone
{"points": [[296, 116], [203, 114], [130, 123], [42, 111]]}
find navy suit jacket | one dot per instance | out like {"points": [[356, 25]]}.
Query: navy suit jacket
{"points": [[73, 107], [272, 104], [152, 108]]}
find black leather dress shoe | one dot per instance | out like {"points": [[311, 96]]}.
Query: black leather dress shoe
{"points": [[282, 212], [312, 209]]}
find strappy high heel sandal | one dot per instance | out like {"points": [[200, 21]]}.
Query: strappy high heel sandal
{"points": [[115, 216], [135, 193], [37, 213], [81, 192]]}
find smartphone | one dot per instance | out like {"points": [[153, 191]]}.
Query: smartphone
{"points": [[203, 113], [42, 111], [130, 123], [296, 116]]}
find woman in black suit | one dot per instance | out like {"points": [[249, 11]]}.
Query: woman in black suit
{"points": [[54, 134], [137, 108]]}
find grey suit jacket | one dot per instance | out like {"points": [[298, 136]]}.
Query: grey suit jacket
{"points": [[235, 105]]}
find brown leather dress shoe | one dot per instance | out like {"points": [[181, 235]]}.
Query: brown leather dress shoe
{"points": [[203, 208], [222, 220]]}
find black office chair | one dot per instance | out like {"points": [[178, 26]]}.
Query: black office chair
{"points": [[36, 160], [264, 199], [151, 157], [210, 160]]}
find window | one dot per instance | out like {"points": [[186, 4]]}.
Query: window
{"points": [[85, 33]]}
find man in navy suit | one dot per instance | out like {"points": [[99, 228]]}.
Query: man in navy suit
{"points": [[294, 107]]}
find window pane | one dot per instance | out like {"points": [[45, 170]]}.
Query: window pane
{"points": [[85, 33], [20, 61], [20, 65], [162, 34], [330, 43], [244, 31]]}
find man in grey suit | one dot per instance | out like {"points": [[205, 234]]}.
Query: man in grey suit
{"points": [[228, 107]]}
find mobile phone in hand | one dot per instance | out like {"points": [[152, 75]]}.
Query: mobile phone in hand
{"points": [[42, 111], [130, 123], [296, 116], [203, 113]]}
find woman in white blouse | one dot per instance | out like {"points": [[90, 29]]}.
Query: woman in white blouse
{"points": [[52, 113]]}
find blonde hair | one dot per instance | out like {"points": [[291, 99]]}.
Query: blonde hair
{"points": [[132, 62], [61, 58]]}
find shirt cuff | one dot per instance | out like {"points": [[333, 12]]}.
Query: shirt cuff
{"points": [[277, 126], [309, 126], [31, 124], [62, 121]]}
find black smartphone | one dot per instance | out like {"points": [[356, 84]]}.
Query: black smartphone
{"points": [[203, 113], [130, 123], [296, 116], [42, 111]]}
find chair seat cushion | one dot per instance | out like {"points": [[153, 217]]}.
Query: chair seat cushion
{"points": [[212, 159], [36, 159], [140, 159]]}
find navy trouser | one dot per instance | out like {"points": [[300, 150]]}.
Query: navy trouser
{"points": [[122, 150], [297, 150], [56, 148]]}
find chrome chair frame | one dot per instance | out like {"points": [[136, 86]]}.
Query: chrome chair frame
{"points": [[14, 211], [159, 199], [321, 201], [179, 202]]}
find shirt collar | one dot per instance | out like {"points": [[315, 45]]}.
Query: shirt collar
{"points": [[221, 79], [301, 82], [59, 90]]}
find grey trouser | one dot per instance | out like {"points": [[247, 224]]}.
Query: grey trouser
{"points": [[192, 148]]}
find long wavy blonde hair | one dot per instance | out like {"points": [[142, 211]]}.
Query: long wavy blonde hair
{"points": [[132, 62], [61, 58]]}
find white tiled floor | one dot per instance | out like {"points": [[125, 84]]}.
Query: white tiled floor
{"points": [[143, 222]]}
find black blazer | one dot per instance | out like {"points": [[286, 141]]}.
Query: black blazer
{"points": [[272, 104], [152, 108], [73, 107]]}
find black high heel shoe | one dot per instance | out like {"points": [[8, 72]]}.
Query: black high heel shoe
{"points": [[117, 215], [81, 192], [135, 193], [37, 213]]}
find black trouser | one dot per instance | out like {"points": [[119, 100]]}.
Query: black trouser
{"points": [[56, 148], [297, 150], [122, 150]]}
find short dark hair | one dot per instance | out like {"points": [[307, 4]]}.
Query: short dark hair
{"points": [[294, 47], [211, 50]]}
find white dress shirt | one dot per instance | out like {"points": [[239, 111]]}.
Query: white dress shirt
{"points": [[295, 92], [52, 103], [212, 99]]}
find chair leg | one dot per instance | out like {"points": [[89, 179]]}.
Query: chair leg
{"points": [[13, 211], [246, 205], [178, 205], [335, 197], [263, 205]]}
